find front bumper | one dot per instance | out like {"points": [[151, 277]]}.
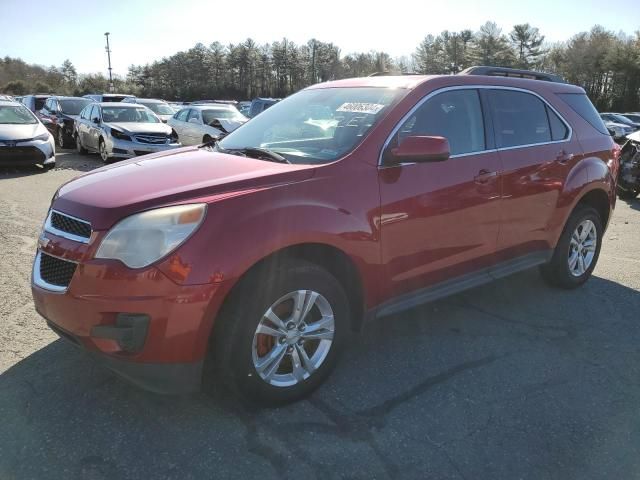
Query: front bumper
{"points": [[128, 149], [87, 311], [41, 152]]}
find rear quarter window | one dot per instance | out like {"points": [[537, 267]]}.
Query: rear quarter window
{"points": [[580, 103]]}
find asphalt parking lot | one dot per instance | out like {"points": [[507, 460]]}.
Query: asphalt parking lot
{"points": [[507, 381]]}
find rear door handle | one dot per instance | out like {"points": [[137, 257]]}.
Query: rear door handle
{"points": [[484, 176], [564, 157]]}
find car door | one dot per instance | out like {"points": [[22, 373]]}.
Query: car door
{"points": [[83, 125], [178, 123], [441, 220], [195, 126], [95, 125], [537, 153]]}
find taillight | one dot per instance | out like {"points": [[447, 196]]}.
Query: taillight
{"points": [[614, 162]]}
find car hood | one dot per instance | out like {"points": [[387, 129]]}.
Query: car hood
{"points": [[142, 127], [106, 195], [20, 132]]}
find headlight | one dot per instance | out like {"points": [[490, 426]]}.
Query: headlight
{"points": [[143, 238], [43, 137], [119, 135]]}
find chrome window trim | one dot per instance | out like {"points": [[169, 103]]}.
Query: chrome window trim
{"points": [[476, 87], [38, 281], [48, 227]]}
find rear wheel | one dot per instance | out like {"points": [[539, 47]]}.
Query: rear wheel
{"points": [[280, 336], [577, 251], [79, 147]]}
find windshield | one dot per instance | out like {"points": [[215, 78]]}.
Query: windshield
{"points": [[633, 117], [128, 114], [315, 126], [73, 107], [159, 108], [16, 115], [210, 115]]}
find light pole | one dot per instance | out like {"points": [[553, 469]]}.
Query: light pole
{"points": [[109, 59]]}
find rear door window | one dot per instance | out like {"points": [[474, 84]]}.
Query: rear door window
{"points": [[559, 130], [519, 118]]}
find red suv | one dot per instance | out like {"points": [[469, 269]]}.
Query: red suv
{"points": [[245, 263]]}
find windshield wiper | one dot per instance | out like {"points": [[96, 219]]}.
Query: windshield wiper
{"points": [[261, 153], [252, 152]]}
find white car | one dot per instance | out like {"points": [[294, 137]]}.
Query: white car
{"points": [[161, 108], [196, 124], [24, 140]]}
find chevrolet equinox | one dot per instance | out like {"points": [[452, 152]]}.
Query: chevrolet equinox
{"points": [[245, 262]]}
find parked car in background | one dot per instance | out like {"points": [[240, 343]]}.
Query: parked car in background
{"points": [[629, 172], [633, 116], [59, 115], [618, 118], [176, 106], [244, 107], [122, 130], [159, 107], [107, 97], [617, 130], [224, 102], [197, 124], [7, 98], [259, 105], [247, 264], [24, 140], [35, 102]]}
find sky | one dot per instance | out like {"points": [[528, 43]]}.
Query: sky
{"points": [[47, 33]]}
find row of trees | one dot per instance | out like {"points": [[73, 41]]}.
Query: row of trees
{"points": [[606, 64]]}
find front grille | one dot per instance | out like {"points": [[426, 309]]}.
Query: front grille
{"points": [[13, 156], [56, 271], [70, 225], [152, 138]]}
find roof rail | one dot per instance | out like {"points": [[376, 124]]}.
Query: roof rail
{"points": [[512, 72], [387, 74]]}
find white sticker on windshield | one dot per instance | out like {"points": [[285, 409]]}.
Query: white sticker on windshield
{"points": [[370, 108]]}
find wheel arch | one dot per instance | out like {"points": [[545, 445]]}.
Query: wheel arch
{"points": [[326, 256]]}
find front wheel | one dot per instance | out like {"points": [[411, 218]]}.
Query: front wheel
{"points": [[79, 147], [62, 139], [577, 251], [104, 155], [280, 337]]}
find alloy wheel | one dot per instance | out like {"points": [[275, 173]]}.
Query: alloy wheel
{"points": [[293, 338], [103, 152], [582, 248]]}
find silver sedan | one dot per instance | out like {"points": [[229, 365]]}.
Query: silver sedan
{"points": [[197, 124]]}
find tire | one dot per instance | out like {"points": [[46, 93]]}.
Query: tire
{"points": [[79, 147], [237, 350], [559, 272], [61, 139], [102, 149]]}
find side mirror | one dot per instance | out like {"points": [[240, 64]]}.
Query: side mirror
{"points": [[95, 120], [421, 149]]}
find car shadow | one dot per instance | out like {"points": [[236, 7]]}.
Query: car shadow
{"points": [[65, 160], [500, 372]]}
